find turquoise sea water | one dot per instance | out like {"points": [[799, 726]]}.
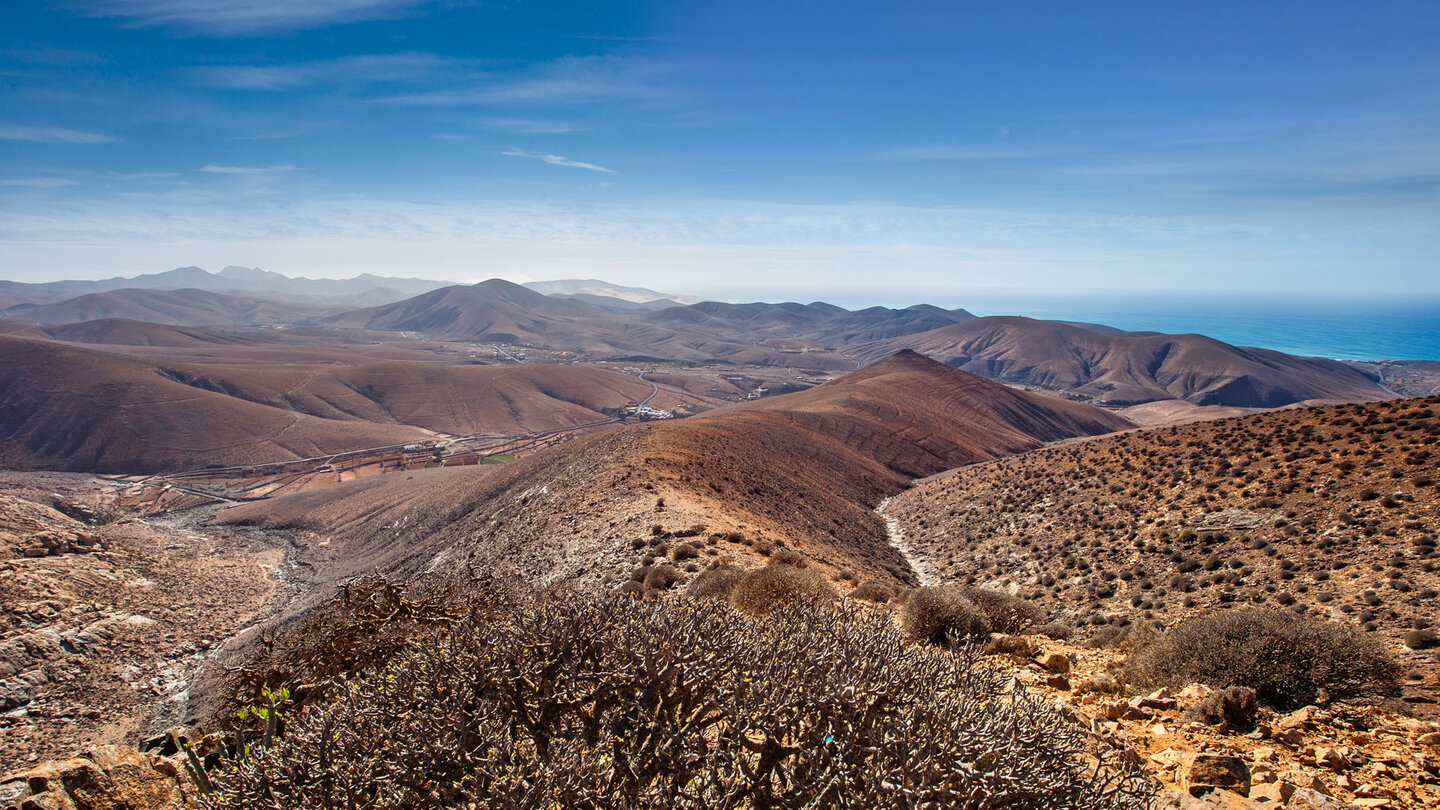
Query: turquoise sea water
{"points": [[1355, 328]]}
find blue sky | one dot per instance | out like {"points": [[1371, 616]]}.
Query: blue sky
{"points": [[852, 151]]}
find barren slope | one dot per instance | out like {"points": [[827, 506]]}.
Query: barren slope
{"points": [[803, 470], [459, 400], [172, 307], [1120, 368], [493, 310], [63, 407]]}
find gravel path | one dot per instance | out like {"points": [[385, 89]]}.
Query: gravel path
{"points": [[897, 539]]}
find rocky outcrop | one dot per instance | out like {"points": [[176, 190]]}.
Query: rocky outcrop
{"points": [[107, 777]]}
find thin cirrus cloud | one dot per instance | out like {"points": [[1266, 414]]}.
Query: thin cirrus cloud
{"points": [[559, 160], [15, 132], [392, 68], [214, 169], [39, 182], [224, 18], [568, 80]]}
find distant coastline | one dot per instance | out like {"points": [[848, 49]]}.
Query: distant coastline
{"points": [[1358, 329]]}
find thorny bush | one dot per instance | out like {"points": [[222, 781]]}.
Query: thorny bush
{"points": [[578, 701], [1290, 661], [368, 621]]}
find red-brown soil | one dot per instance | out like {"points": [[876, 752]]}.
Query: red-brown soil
{"points": [[803, 470], [74, 409], [63, 407]]}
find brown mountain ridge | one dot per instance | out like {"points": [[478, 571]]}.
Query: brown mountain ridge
{"points": [[802, 470], [1126, 368]]}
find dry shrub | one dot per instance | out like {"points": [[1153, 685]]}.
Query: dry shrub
{"points": [[1007, 614], [716, 583], [942, 615], [1056, 631], [590, 702], [368, 621], [1101, 683], [873, 591], [662, 577], [785, 556], [1236, 707], [763, 589], [1290, 661]]}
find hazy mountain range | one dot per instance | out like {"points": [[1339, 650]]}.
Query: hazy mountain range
{"points": [[592, 320]]}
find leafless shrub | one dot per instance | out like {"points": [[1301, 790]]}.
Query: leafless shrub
{"points": [[609, 702], [1007, 614], [1289, 661], [1236, 707], [717, 583], [785, 556], [1101, 683], [662, 577], [873, 591], [367, 622], [942, 616], [1055, 630], [762, 589]]}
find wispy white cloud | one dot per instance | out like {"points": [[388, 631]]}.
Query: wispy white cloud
{"points": [[744, 246], [568, 80], [213, 169], [41, 134], [55, 57], [243, 17], [40, 182], [390, 68], [559, 160], [532, 127]]}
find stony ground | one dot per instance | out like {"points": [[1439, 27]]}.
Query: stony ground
{"points": [[1365, 756], [105, 620]]}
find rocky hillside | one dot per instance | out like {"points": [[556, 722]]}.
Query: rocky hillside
{"points": [[1330, 512], [105, 621]]}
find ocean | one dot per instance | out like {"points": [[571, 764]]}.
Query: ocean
{"points": [[1353, 328]]}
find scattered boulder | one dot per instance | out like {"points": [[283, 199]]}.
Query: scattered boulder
{"points": [[1202, 773], [1158, 701], [107, 777], [1302, 719], [1055, 662], [1275, 792], [1311, 799], [1194, 692], [1332, 759]]}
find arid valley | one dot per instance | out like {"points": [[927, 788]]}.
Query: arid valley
{"points": [[183, 497]]}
